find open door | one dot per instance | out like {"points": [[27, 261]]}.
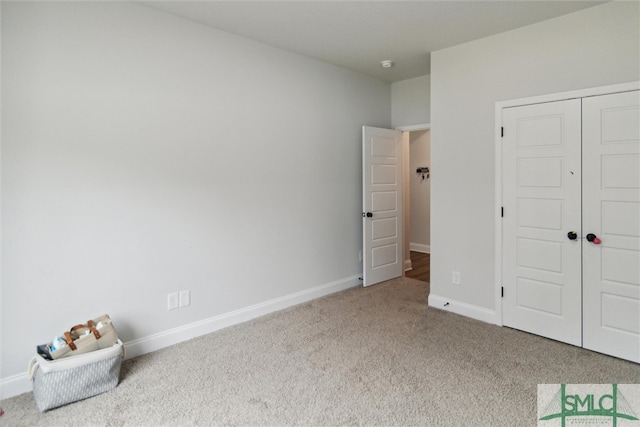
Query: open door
{"points": [[382, 205]]}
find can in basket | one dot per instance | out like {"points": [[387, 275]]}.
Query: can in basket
{"points": [[62, 381]]}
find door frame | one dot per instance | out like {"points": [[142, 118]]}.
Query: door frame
{"points": [[499, 106]]}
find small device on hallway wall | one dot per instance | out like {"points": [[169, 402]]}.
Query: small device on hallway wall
{"points": [[423, 172]]}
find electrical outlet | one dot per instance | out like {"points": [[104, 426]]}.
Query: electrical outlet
{"points": [[455, 277], [185, 298], [173, 301]]}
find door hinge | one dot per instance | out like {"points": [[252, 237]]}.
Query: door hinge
{"points": [[502, 211], [502, 291], [501, 132]]}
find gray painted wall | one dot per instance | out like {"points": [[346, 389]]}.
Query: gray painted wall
{"points": [[595, 47], [410, 102], [143, 154]]}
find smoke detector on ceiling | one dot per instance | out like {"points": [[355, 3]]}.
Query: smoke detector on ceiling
{"points": [[387, 63]]}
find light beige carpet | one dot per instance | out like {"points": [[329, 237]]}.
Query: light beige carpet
{"points": [[367, 356]]}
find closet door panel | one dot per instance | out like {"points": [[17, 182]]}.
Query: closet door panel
{"points": [[611, 211], [541, 197]]}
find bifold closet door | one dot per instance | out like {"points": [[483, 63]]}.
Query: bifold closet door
{"points": [[611, 211], [541, 200]]}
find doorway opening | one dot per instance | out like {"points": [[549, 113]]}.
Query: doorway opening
{"points": [[420, 266], [417, 201]]}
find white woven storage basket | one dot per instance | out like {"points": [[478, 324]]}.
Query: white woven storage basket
{"points": [[62, 381]]}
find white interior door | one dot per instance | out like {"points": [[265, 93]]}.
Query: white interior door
{"points": [[541, 201], [382, 205], [611, 211]]}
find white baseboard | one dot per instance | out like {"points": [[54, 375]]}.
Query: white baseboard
{"points": [[173, 336], [408, 265], [18, 384], [418, 247], [464, 309], [15, 385]]}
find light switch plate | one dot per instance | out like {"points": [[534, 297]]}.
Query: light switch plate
{"points": [[185, 298]]}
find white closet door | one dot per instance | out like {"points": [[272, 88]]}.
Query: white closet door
{"points": [[541, 198], [611, 211]]}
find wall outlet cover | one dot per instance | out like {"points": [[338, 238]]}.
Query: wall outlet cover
{"points": [[455, 278], [173, 301]]}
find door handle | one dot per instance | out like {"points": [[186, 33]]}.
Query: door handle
{"points": [[572, 235], [593, 239], [367, 214]]}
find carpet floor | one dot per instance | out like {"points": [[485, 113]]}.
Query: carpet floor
{"points": [[375, 356]]}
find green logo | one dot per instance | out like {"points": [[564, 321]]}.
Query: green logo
{"points": [[612, 405]]}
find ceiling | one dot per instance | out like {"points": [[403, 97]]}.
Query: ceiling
{"points": [[358, 35]]}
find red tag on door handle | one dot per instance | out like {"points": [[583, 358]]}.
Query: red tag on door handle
{"points": [[593, 239]]}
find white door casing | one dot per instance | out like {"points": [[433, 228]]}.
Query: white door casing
{"points": [[611, 211], [382, 205], [541, 172]]}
